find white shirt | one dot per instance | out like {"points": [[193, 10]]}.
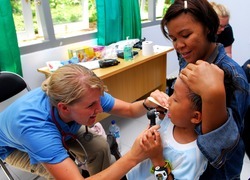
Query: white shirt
{"points": [[186, 159]]}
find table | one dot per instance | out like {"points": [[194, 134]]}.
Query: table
{"points": [[132, 80]]}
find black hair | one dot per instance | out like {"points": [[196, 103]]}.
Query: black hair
{"points": [[201, 10], [196, 100]]}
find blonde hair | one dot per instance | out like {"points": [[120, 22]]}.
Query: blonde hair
{"points": [[220, 9], [70, 83]]}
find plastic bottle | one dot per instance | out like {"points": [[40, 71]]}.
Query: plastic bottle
{"points": [[127, 51], [114, 129]]}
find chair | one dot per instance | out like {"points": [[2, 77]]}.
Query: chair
{"points": [[11, 84]]}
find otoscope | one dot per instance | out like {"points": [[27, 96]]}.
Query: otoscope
{"points": [[152, 115]]}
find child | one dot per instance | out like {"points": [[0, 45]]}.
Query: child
{"points": [[179, 137]]}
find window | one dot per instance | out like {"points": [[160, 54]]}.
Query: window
{"points": [[22, 14], [43, 24], [67, 18], [153, 10], [71, 18]]}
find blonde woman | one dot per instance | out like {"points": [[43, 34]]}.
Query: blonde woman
{"points": [[225, 31], [40, 128]]}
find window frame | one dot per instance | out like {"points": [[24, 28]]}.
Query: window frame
{"points": [[50, 40]]}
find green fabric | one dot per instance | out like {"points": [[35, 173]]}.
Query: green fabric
{"points": [[131, 21], [9, 51], [108, 21], [117, 19]]}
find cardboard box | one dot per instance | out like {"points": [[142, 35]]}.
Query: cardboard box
{"points": [[85, 53]]}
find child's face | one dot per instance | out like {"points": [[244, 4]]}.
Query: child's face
{"points": [[180, 106]]}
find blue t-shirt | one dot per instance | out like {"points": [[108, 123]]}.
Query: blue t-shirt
{"points": [[27, 125]]}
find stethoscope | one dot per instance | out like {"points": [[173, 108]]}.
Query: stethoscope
{"points": [[87, 137]]}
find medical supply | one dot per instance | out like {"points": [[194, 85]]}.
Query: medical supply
{"points": [[147, 48], [128, 52]]}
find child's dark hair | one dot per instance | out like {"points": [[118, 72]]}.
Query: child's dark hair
{"points": [[196, 100], [201, 10]]}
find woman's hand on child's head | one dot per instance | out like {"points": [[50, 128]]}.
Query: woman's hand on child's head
{"points": [[202, 77]]}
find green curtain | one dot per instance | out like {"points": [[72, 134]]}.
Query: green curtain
{"points": [[117, 19], [10, 59], [108, 21], [131, 19]]}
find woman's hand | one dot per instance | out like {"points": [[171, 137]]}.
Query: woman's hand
{"points": [[147, 145], [151, 138], [160, 97], [160, 102], [203, 78]]}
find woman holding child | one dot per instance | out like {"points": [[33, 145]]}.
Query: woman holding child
{"points": [[192, 26]]}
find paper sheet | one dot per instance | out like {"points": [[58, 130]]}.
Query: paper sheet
{"points": [[156, 102]]}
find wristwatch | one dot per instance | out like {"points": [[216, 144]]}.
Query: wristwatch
{"points": [[161, 173]]}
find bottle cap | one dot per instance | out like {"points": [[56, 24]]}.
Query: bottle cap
{"points": [[113, 122]]}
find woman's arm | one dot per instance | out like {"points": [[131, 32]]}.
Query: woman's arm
{"points": [[207, 80], [66, 169], [140, 150], [136, 109]]}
